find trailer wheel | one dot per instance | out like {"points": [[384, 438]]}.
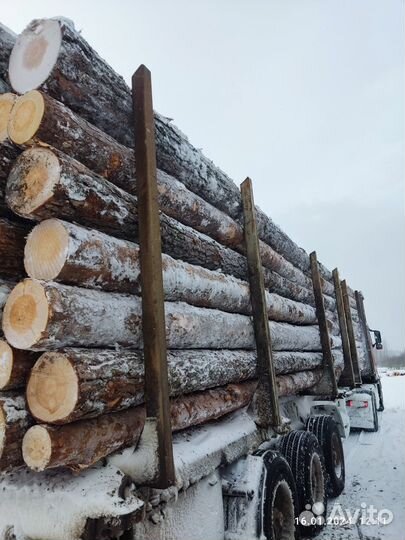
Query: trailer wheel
{"points": [[304, 455], [326, 431], [280, 503]]}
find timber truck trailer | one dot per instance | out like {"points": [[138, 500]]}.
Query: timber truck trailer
{"points": [[264, 471]]}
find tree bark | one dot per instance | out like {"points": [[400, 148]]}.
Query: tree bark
{"points": [[62, 129], [40, 316], [74, 193], [15, 366], [81, 444], [8, 154], [7, 41], [91, 88], [92, 259], [14, 422], [73, 384], [12, 241]]}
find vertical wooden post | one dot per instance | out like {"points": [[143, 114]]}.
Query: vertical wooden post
{"points": [[350, 332], [363, 319], [266, 396], [329, 378], [347, 377], [153, 316]]}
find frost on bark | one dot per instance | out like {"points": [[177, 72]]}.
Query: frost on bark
{"points": [[84, 81], [14, 422], [74, 193], [73, 384], [91, 259], [54, 124], [45, 315], [7, 41]]}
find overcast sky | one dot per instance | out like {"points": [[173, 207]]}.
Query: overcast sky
{"points": [[305, 96]]}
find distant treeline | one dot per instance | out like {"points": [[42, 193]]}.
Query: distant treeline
{"points": [[392, 359]]}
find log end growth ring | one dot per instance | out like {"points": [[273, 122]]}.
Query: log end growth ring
{"points": [[34, 55], [6, 105], [25, 314], [37, 448], [26, 117], [32, 180], [6, 363], [52, 390], [46, 250]]}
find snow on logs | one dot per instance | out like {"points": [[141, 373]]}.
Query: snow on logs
{"points": [[45, 184], [50, 54], [80, 444], [14, 422], [7, 41], [72, 384], [46, 315], [53, 123], [60, 251]]}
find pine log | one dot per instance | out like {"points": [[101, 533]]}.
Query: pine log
{"points": [[81, 444], [40, 315], [45, 184], [64, 252], [53, 123], [12, 242], [8, 154], [6, 104], [50, 54], [73, 384], [15, 366], [7, 41], [14, 422]]}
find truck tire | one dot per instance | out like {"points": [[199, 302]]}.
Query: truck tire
{"points": [[326, 431], [304, 455], [280, 505]]}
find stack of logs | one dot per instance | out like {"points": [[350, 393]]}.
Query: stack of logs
{"points": [[73, 327]]}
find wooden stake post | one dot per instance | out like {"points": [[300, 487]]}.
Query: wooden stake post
{"points": [[266, 396], [328, 383], [153, 316], [347, 378], [363, 320], [350, 333]]}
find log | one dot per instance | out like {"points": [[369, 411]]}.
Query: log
{"points": [[81, 444], [64, 252], [54, 124], [15, 366], [6, 104], [72, 72], [12, 242], [14, 422], [72, 384], [7, 42], [45, 184], [40, 315]]}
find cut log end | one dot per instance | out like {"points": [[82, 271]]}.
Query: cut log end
{"points": [[25, 314], [26, 116], [6, 363], [6, 104], [52, 390], [46, 250], [37, 448], [34, 55], [32, 180]]}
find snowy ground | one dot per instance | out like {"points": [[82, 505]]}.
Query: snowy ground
{"points": [[375, 473]]}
